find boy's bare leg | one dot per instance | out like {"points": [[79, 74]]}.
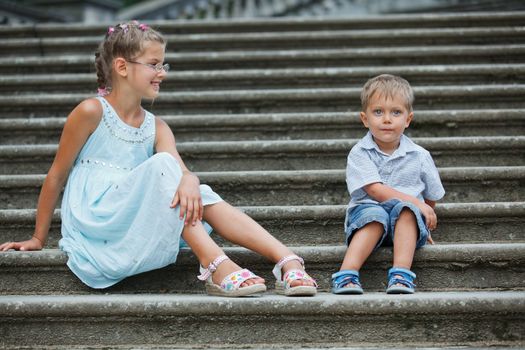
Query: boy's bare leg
{"points": [[405, 239], [362, 245], [239, 228], [207, 250]]}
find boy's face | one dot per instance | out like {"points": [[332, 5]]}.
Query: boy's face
{"points": [[387, 119]]}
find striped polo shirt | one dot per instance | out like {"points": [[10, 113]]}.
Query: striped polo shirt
{"points": [[410, 169]]}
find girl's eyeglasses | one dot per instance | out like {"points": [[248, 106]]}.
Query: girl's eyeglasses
{"points": [[159, 67]]}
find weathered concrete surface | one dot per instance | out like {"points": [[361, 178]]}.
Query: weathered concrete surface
{"points": [[277, 100], [292, 154], [437, 319], [251, 79], [439, 267], [282, 40], [306, 187], [330, 57], [236, 25], [289, 126], [323, 224], [482, 96]]}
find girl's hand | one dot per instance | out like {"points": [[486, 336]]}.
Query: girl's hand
{"points": [[429, 239], [188, 196], [32, 244]]}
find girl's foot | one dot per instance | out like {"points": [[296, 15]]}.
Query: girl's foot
{"points": [[291, 278], [227, 267], [296, 265], [225, 278]]}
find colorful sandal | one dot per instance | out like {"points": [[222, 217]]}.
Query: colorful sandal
{"points": [[283, 283], [231, 284], [341, 282], [405, 277]]}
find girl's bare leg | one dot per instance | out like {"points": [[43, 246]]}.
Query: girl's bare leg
{"points": [[207, 250], [239, 228]]}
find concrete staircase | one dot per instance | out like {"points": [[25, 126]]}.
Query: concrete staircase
{"points": [[266, 112]]}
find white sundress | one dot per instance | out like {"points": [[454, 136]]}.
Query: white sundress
{"points": [[116, 215]]}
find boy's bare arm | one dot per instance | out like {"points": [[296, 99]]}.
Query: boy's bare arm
{"points": [[432, 204], [381, 192]]}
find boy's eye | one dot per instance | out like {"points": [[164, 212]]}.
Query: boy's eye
{"points": [[377, 112], [396, 113]]}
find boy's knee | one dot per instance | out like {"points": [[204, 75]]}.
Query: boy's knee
{"points": [[407, 214], [374, 225], [404, 210]]}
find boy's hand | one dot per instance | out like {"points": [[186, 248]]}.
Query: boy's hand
{"points": [[430, 216], [189, 197], [429, 239], [31, 244]]}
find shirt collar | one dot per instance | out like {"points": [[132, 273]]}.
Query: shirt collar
{"points": [[405, 145]]}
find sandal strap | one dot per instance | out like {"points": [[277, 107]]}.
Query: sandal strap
{"points": [[344, 277], [277, 270], [288, 258], [212, 267], [294, 275], [402, 276], [235, 279]]}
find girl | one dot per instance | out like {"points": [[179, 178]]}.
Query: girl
{"points": [[129, 198]]}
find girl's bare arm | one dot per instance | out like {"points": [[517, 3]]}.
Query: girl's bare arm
{"points": [[188, 194], [81, 122]]}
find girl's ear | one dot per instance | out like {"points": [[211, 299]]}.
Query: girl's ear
{"points": [[362, 115], [119, 64]]}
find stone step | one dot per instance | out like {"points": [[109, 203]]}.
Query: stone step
{"points": [[323, 224], [306, 187], [282, 40], [494, 318], [233, 25], [440, 267], [290, 126], [276, 100], [291, 155], [296, 58], [289, 78]]}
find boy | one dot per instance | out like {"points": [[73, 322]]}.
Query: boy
{"points": [[393, 185]]}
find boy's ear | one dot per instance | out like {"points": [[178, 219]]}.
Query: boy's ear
{"points": [[409, 119], [362, 115], [119, 64]]}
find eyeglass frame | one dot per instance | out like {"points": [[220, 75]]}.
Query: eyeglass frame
{"points": [[159, 67]]}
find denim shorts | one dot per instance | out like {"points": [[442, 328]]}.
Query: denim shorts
{"points": [[385, 213]]}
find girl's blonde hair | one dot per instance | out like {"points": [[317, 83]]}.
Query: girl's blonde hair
{"points": [[389, 86], [124, 40]]}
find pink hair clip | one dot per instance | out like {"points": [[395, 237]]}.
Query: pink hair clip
{"points": [[111, 30], [102, 91], [143, 27]]}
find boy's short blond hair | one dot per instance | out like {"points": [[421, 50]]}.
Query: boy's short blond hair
{"points": [[389, 86]]}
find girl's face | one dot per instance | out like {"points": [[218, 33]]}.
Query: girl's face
{"points": [[146, 72], [387, 119]]}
